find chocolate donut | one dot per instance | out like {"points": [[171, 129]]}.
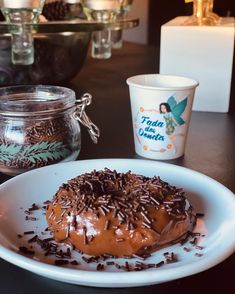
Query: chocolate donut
{"points": [[119, 214]]}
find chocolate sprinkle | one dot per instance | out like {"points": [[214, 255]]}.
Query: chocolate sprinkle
{"points": [[74, 262], [200, 214], [34, 239], [110, 263], [187, 249], [106, 226], [159, 264], [61, 262], [29, 233], [27, 212], [90, 238], [120, 239], [34, 207], [170, 257], [199, 247], [186, 238], [84, 236], [100, 267], [25, 250], [194, 241], [32, 218]]}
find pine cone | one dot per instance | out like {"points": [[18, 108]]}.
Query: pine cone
{"points": [[56, 10]]}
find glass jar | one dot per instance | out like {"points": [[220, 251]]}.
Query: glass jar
{"points": [[39, 125]]}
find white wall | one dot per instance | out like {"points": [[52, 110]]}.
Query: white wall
{"points": [[140, 34]]}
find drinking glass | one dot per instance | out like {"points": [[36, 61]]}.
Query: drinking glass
{"points": [[116, 36], [101, 11], [20, 15]]}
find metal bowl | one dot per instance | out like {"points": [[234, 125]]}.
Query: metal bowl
{"points": [[58, 58]]}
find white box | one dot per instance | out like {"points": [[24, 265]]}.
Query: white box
{"points": [[204, 53]]}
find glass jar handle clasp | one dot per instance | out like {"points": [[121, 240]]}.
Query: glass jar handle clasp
{"points": [[82, 117]]}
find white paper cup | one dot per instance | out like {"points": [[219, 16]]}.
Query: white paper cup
{"points": [[161, 108]]}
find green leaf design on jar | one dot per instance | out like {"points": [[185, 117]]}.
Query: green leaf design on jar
{"points": [[9, 151], [43, 151]]}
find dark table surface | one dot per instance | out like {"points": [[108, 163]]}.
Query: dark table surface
{"points": [[209, 149]]}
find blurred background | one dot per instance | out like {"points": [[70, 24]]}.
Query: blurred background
{"points": [[154, 13], [66, 53]]}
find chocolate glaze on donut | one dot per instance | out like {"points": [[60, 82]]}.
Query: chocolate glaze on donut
{"points": [[119, 214]]}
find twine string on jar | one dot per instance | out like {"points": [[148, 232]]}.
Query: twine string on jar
{"points": [[82, 117]]}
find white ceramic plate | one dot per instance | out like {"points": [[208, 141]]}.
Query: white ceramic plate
{"points": [[206, 195]]}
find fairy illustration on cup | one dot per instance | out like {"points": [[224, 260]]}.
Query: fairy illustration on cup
{"points": [[157, 133], [172, 111]]}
